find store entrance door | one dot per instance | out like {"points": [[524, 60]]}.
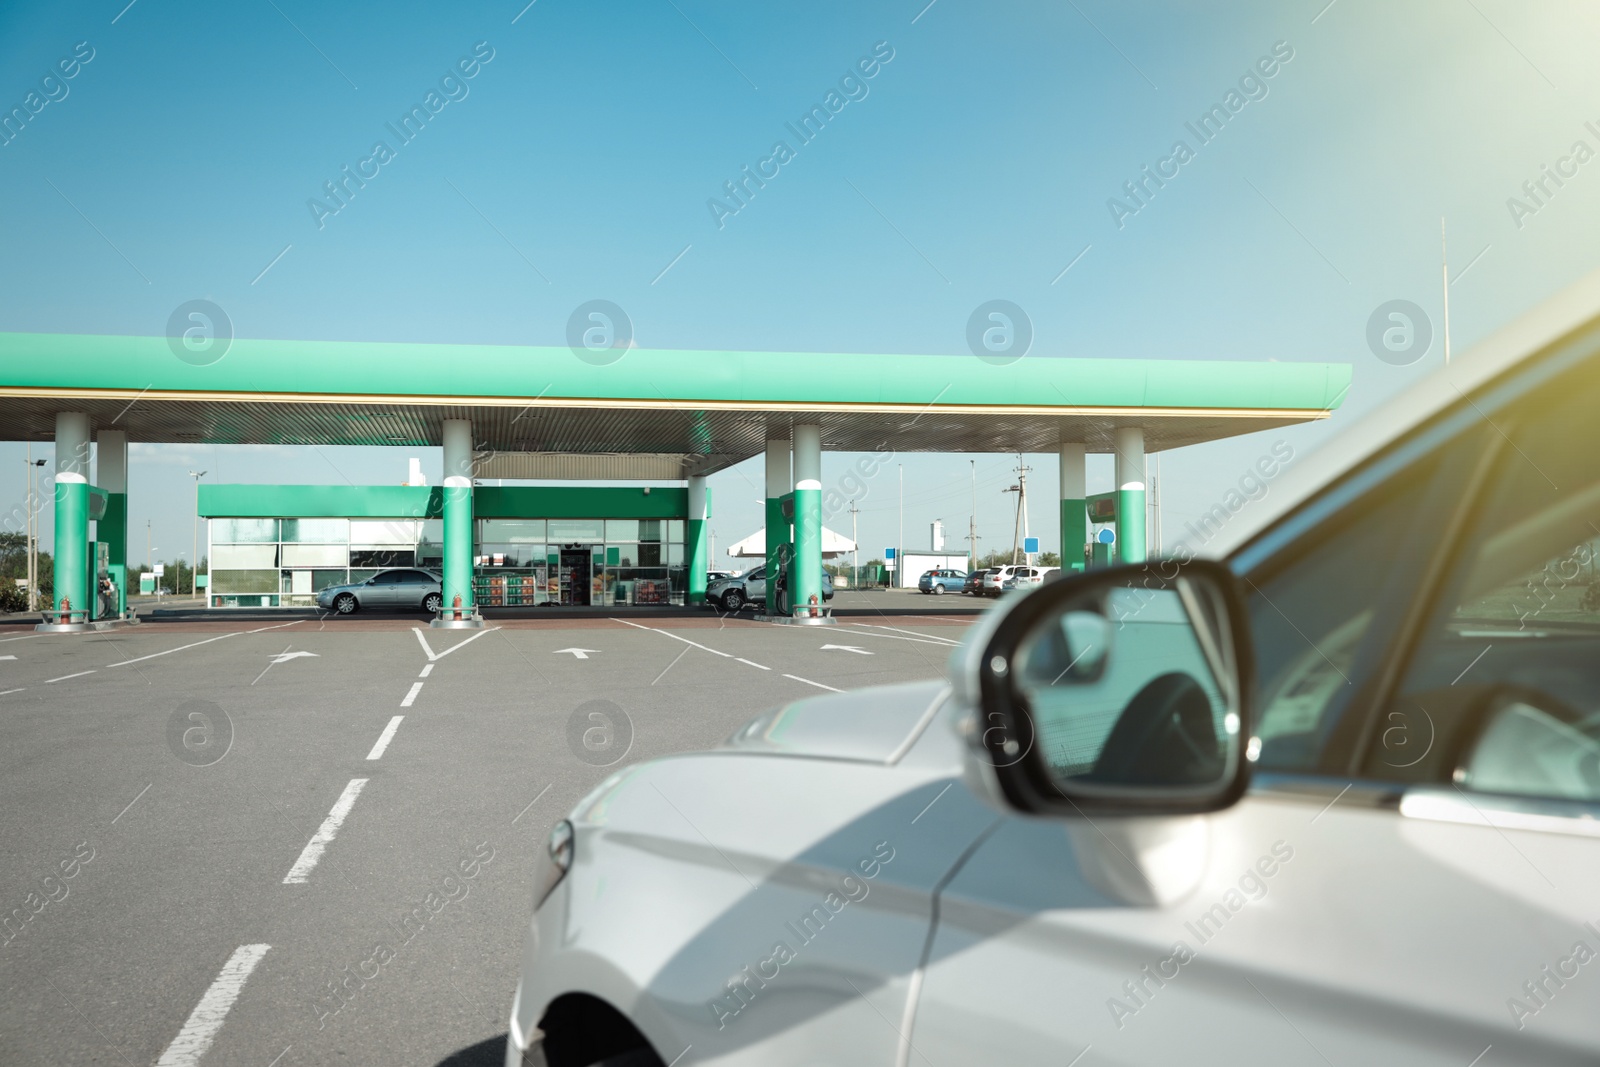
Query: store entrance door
{"points": [[575, 584]]}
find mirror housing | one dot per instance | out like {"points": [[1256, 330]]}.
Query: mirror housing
{"points": [[1122, 691]]}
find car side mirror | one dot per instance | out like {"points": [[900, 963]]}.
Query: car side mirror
{"points": [[1121, 691]]}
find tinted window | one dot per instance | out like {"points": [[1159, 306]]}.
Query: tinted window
{"points": [[1503, 693], [1323, 611], [388, 578]]}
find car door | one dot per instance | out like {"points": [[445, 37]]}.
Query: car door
{"points": [[384, 592], [1411, 879], [755, 586]]}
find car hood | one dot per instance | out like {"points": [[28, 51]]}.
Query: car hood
{"points": [[874, 725]]}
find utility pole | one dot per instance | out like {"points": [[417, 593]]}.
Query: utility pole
{"points": [[149, 564], [900, 538], [194, 560], [855, 565], [33, 535], [1156, 499], [972, 522], [1021, 489]]}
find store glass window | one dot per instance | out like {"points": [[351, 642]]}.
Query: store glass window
{"points": [[317, 531], [382, 556], [622, 530], [396, 532], [241, 531], [315, 555], [564, 531], [512, 531], [243, 557], [244, 581]]}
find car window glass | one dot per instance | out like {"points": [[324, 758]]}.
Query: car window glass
{"points": [[1312, 615], [1503, 692], [387, 578]]}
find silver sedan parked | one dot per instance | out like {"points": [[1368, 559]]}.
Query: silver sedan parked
{"points": [[396, 589]]}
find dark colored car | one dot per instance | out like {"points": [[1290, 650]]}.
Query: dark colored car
{"points": [[974, 582]]}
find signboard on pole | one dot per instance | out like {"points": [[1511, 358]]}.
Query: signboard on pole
{"points": [[1030, 545], [159, 570]]}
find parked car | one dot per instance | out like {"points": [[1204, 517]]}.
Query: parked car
{"points": [[395, 589], [1024, 577], [995, 577], [1360, 754], [941, 581], [732, 594], [974, 582], [712, 576]]}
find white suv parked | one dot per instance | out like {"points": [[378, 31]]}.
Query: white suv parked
{"points": [[994, 582], [1329, 800]]}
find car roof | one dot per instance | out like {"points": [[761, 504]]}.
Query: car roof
{"points": [[1526, 337]]}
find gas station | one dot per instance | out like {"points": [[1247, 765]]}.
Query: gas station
{"points": [[666, 418]]}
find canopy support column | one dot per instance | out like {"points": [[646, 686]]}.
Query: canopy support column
{"points": [[695, 531], [1129, 443], [1074, 506], [70, 582], [111, 474], [777, 525], [457, 584], [806, 581]]}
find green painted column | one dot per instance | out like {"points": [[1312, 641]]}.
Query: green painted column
{"points": [[695, 531], [70, 579], [111, 474], [806, 579], [777, 525], [457, 516], [1129, 443], [1074, 506]]}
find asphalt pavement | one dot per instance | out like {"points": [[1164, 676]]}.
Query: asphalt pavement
{"points": [[282, 841]]}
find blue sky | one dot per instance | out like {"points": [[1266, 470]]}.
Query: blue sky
{"points": [[978, 165]]}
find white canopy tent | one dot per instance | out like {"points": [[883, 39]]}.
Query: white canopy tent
{"points": [[755, 546]]}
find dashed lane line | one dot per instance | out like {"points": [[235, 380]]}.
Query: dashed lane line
{"points": [[64, 677], [385, 737], [325, 833], [819, 685], [208, 1015], [898, 630], [8, 692], [426, 670], [675, 637], [416, 687], [207, 641], [752, 663]]}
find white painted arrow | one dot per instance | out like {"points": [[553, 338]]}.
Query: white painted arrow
{"points": [[577, 653], [847, 648], [284, 657]]}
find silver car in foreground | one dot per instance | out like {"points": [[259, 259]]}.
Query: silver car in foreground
{"points": [[1330, 798], [395, 589]]}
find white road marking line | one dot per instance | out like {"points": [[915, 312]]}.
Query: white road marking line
{"points": [[131, 803], [207, 641], [64, 677], [208, 1015], [531, 803], [913, 640], [675, 637], [286, 1049], [325, 833], [752, 663], [24, 637], [819, 685], [913, 633], [8, 657], [8, 692], [426, 670], [432, 655], [416, 687], [385, 737]]}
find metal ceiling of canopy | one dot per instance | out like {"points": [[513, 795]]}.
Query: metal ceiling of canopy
{"points": [[534, 439]]}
